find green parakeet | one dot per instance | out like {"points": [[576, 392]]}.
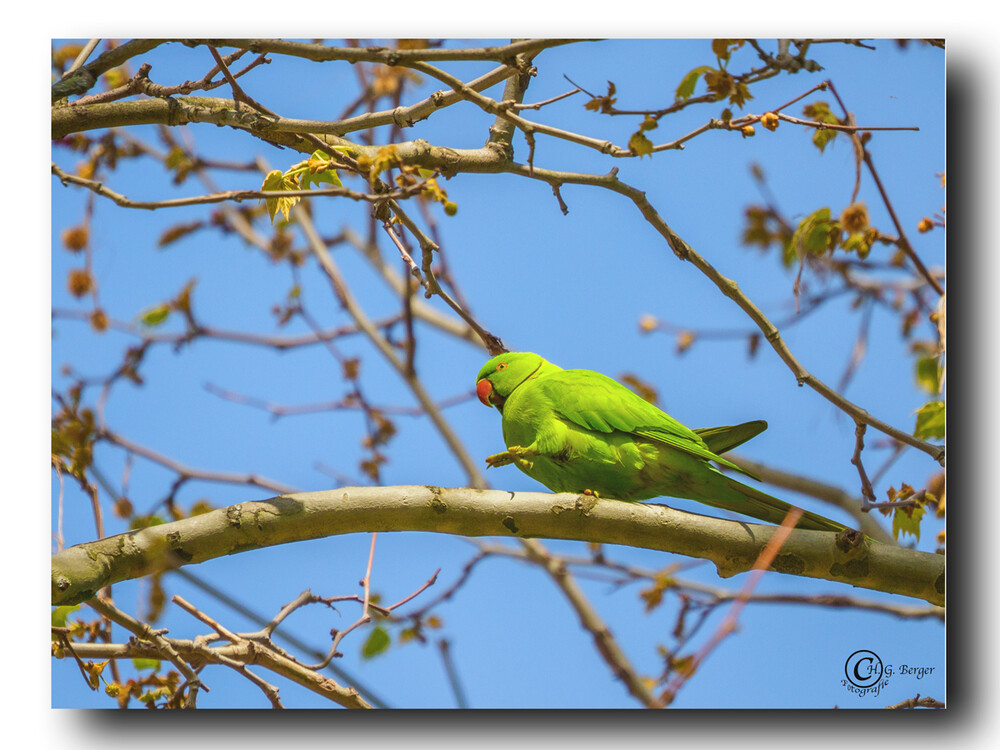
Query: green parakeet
{"points": [[581, 431]]}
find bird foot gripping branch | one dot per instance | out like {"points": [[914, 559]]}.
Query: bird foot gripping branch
{"points": [[513, 455]]}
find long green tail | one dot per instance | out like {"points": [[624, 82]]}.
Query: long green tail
{"points": [[752, 502], [757, 504]]}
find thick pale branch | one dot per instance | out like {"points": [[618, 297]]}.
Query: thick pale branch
{"points": [[178, 110], [80, 571], [182, 110]]}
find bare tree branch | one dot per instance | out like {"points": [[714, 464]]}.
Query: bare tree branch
{"points": [[324, 53], [79, 571]]}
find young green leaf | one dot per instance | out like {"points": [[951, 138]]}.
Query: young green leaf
{"points": [[602, 103], [377, 642], [319, 172], [820, 112], [143, 522], [278, 181], [859, 243], [930, 421], [640, 145], [686, 87], [907, 521], [723, 48], [59, 615], [929, 374], [815, 234], [154, 316]]}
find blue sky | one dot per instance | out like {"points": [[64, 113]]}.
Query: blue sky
{"points": [[572, 288]]}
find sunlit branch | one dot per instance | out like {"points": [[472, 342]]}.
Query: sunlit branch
{"points": [[385, 55], [226, 196], [733, 546], [281, 343], [163, 646], [500, 109]]}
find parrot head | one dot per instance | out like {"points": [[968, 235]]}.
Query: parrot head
{"points": [[501, 375]]}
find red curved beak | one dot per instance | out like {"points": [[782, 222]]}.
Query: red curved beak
{"points": [[483, 389]]}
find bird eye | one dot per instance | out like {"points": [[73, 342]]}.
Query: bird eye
{"points": [[502, 366]]}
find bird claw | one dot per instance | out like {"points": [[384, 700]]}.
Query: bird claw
{"points": [[516, 454], [499, 459]]}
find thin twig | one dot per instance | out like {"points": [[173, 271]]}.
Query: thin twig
{"points": [[492, 343], [239, 95], [526, 126], [195, 612], [918, 702], [605, 642], [867, 492], [145, 632], [225, 196], [57, 464], [365, 583], [347, 299], [347, 403], [904, 242], [63, 635], [281, 343], [444, 646], [270, 626], [538, 105], [81, 58], [188, 472], [430, 582]]}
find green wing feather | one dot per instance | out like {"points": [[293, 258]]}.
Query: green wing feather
{"points": [[599, 403], [723, 439]]}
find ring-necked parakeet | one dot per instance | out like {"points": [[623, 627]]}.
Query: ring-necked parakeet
{"points": [[581, 431]]}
